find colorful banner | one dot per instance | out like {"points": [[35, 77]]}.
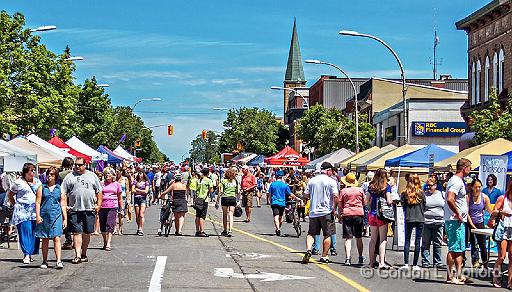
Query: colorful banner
{"points": [[494, 165]]}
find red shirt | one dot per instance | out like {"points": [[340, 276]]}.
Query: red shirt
{"points": [[249, 182], [352, 201]]}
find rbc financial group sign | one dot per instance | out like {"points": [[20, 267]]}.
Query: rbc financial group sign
{"points": [[438, 129]]}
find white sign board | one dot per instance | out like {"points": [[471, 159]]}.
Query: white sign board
{"points": [[494, 165]]}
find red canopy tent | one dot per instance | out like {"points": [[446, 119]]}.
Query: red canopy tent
{"points": [[286, 157], [56, 141]]}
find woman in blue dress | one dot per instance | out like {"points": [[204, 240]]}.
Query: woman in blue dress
{"points": [[22, 195], [51, 216]]}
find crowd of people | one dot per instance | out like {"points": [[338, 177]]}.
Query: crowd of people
{"points": [[77, 203]]}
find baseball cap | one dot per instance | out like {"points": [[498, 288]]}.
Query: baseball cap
{"points": [[279, 173], [326, 165]]}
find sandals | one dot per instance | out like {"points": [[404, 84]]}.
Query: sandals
{"points": [[108, 248], [76, 260]]}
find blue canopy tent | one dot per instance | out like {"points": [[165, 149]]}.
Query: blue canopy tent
{"points": [[112, 157], [256, 160], [420, 157]]}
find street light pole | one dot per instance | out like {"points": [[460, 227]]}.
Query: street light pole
{"points": [[145, 99], [355, 95], [404, 90]]}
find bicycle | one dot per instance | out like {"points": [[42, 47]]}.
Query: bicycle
{"points": [[166, 218], [292, 216]]}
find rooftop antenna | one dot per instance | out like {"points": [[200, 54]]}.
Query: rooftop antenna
{"points": [[434, 62]]}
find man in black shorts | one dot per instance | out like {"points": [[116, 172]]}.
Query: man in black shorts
{"points": [[83, 190], [323, 192]]}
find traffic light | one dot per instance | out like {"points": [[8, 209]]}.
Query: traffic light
{"points": [[170, 130], [203, 134], [137, 143]]}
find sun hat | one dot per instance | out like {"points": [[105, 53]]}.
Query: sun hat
{"points": [[350, 180]]}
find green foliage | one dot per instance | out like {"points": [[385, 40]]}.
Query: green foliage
{"points": [[328, 130], [492, 122], [37, 93], [205, 150], [256, 129]]}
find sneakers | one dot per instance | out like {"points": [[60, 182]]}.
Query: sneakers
{"points": [[404, 267], [159, 232], [334, 252], [224, 233], [348, 262], [306, 257], [314, 252], [229, 234], [59, 266], [361, 260], [44, 265], [324, 260], [67, 246], [416, 268], [26, 260]]}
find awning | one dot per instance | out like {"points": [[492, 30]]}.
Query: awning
{"points": [[50, 147], [286, 157], [12, 157], [45, 158], [59, 143], [258, 160], [347, 161], [333, 158], [112, 158], [124, 154], [496, 147], [363, 160], [379, 162], [420, 157], [246, 159], [80, 146]]}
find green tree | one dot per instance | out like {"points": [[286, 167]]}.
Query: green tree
{"points": [[205, 150], [328, 130], [492, 122], [256, 129]]}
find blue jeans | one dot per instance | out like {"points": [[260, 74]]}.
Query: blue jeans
{"points": [[318, 240], [432, 233], [417, 240]]}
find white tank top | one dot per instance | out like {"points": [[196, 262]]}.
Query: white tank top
{"points": [[507, 221]]}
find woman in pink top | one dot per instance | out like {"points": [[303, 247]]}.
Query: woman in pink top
{"points": [[112, 202], [351, 203]]}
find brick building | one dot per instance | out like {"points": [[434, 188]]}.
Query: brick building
{"points": [[489, 31]]}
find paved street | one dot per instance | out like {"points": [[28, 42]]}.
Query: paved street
{"points": [[252, 260]]}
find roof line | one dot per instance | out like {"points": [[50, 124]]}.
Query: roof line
{"points": [[421, 86]]}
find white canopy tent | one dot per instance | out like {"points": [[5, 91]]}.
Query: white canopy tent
{"points": [[12, 158], [80, 146], [52, 148], [333, 157], [123, 153]]}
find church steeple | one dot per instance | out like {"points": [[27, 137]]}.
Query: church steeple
{"points": [[294, 69]]}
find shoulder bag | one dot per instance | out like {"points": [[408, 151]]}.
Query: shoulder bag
{"points": [[499, 227], [385, 211]]}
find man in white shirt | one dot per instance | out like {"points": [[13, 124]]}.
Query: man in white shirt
{"points": [[455, 216], [322, 191]]}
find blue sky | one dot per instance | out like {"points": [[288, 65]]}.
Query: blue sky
{"points": [[197, 55]]}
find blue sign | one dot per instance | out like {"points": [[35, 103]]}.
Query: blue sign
{"points": [[438, 129]]}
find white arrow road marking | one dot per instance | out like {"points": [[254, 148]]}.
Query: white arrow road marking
{"points": [[265, 277], [252, 255], [156, 279]]}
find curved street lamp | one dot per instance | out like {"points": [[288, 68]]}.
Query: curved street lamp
{"points": [[404, 90], [145, 99], [353, 88]]}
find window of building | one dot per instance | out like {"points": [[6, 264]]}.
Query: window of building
{"points": [[501, 72], [473, 84], [487, 78], [495, 71], [478, 78]]}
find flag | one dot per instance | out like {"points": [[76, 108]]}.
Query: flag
{"points": [[123, 137]]}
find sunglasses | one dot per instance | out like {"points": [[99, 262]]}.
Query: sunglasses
{"points": [[79, 164]]}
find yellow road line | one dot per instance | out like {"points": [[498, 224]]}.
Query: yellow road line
{"points": [[338, 275]]}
